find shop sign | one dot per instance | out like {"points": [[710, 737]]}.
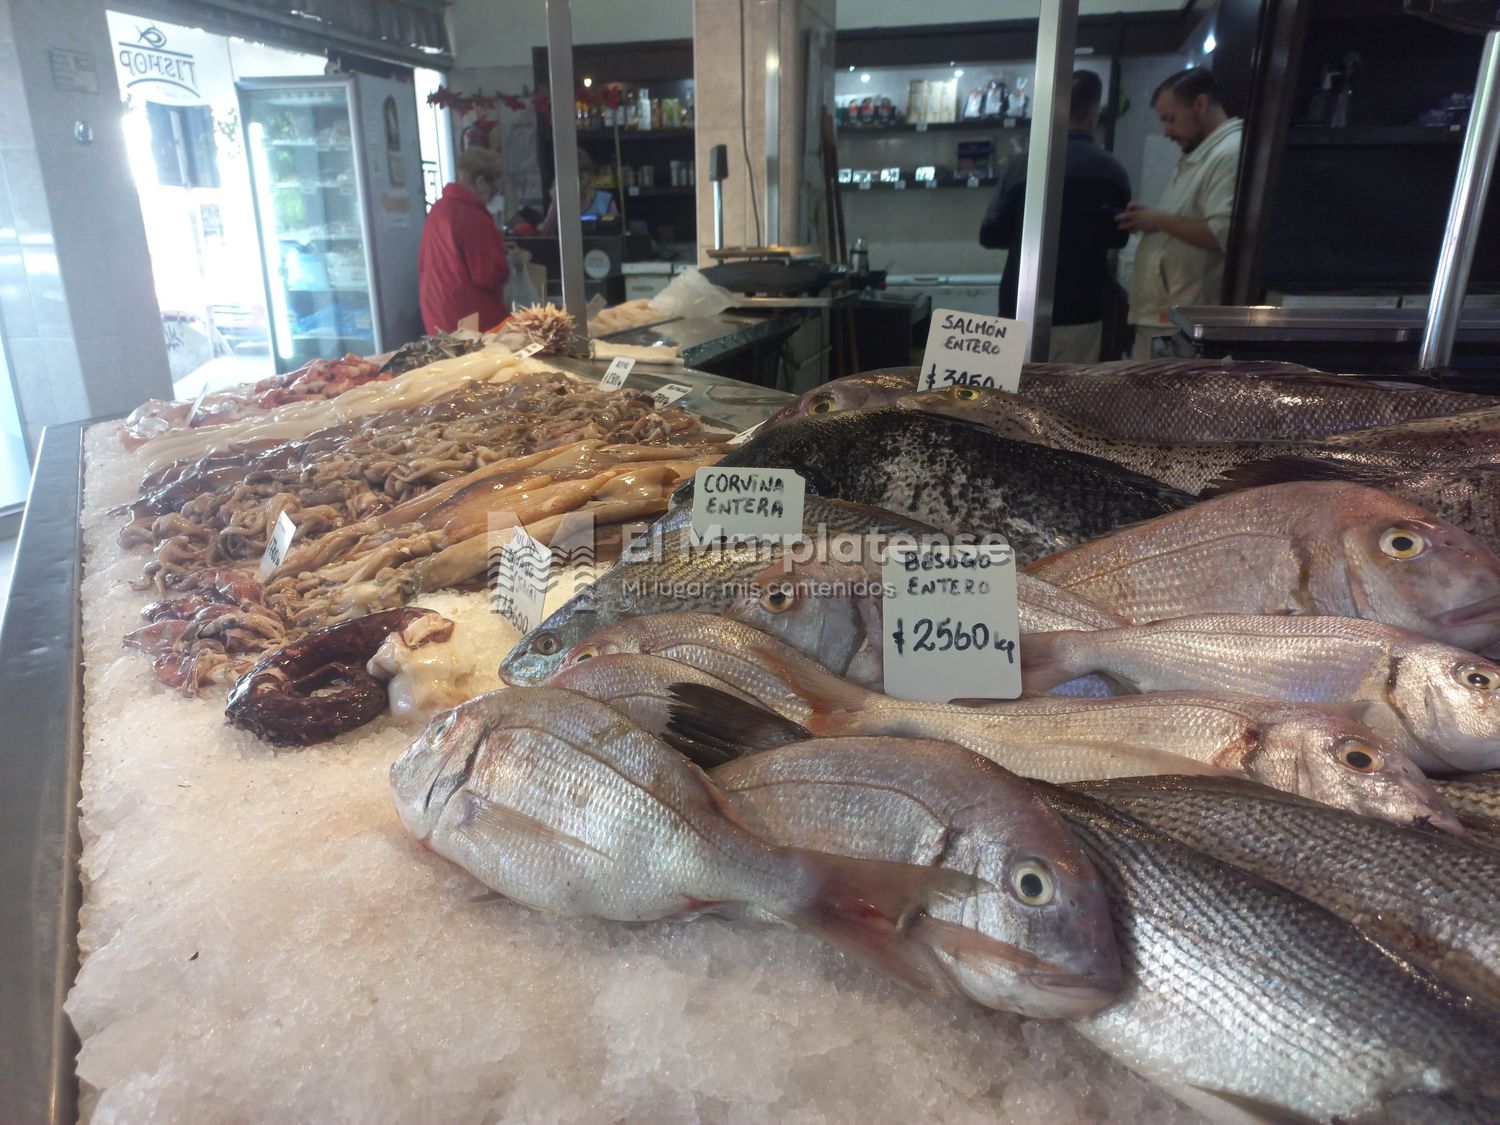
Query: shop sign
{"points": [[149, 66]]}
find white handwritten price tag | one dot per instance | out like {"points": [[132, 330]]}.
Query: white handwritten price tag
{"points": [[616, 374], [744, 435], [519, 572], [951, 622], [528, 351], [764, 502], [278, 544], [667, 395], [973, 350]]}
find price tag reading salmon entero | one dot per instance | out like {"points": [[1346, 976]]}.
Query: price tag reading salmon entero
{"points": [[278, 544], [952, 626], [615, 375], [973, 350], [735, 502]]}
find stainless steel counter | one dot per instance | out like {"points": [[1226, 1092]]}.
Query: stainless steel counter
{"points": [[41, 754], [704, 340]]}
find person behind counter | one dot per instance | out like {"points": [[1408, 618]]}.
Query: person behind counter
{"points": [[594, 205], [1180, 260], [461, 267], [1095, 189]]}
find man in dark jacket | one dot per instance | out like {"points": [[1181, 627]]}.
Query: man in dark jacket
{"points": [[1095, 190], [461, 267]]}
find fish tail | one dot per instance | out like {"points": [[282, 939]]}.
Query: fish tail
{"points": [[710, 727], [868, 908], [1048, 660]]}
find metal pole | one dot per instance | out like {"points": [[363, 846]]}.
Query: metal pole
{"points": [[718, 214], [1056, 36], [565, 160], [772, 29], [1476, 166]]}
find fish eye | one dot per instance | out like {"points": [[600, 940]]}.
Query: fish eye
{"points": [[587, 652], [545, 644], [1361, 757], [823, 404], [1032, 882], [777, 600], [965, 394], [1478, 676], [1402, 543]]}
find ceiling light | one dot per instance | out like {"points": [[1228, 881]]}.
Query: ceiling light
{"points": [[865, 77], [587, 82]]}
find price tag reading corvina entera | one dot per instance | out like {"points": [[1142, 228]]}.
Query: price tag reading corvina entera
{"points": [[616, 374], [951, 623], [519, 572], [735, 502], [279, 543], [528, 351], [667, 395], [971, 350]]}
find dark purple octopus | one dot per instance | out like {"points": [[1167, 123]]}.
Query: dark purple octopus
{"points": [[318, 687]]}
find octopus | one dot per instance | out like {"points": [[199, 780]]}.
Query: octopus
{"points": [[320, 686]]}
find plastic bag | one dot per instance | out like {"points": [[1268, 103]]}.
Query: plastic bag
{"points": [[692, 294], [520, 292]]}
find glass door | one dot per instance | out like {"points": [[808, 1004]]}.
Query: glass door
{"points": [[304, 173]]}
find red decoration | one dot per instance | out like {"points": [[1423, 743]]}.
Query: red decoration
{"points": [[464, 104]]}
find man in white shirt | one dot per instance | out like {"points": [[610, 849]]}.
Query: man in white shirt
{"points": [[1180, 259]]}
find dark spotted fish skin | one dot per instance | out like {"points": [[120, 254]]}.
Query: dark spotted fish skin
{"points": [[1180, 400], [960, 477]]}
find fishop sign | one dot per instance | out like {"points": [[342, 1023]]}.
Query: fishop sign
{"points": [[148, 66]]}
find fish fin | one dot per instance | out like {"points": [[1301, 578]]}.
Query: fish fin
{"points": [[711, 727], [1046, 661], [479, 813], [819, 689], [866, 907], [1254, 1108], [488, 896], [1279, 470]]}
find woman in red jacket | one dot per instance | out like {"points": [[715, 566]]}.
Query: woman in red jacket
{"points": [[461, 265]]}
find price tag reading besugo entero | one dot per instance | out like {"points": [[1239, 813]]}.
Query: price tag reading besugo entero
{"points": [[278, 544], [951, 622], [734, 502], [616, 374], [667, 395], [973, 350], [519, 574]]}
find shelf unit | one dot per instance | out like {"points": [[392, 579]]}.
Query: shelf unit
{"points": [[980, 125], [926, 185]]}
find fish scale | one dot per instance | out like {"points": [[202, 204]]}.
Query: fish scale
{"points": [[960, 477], [1433, 898], [1238, 990]]}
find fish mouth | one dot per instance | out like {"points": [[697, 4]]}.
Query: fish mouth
{"points": [[1486, 611], [1444, 822], [1078, 994]]}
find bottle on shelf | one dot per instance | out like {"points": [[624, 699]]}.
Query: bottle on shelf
{"points": [[859, 257], [643, 109]]}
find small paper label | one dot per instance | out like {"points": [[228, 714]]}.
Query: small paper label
{"points": [[520, 570], [469, 323], [763, 502], [951, 622], [278, 544], [973, 350], [744, 435], [667, 395], [616, 374], [973, 181], [528, 351]]}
